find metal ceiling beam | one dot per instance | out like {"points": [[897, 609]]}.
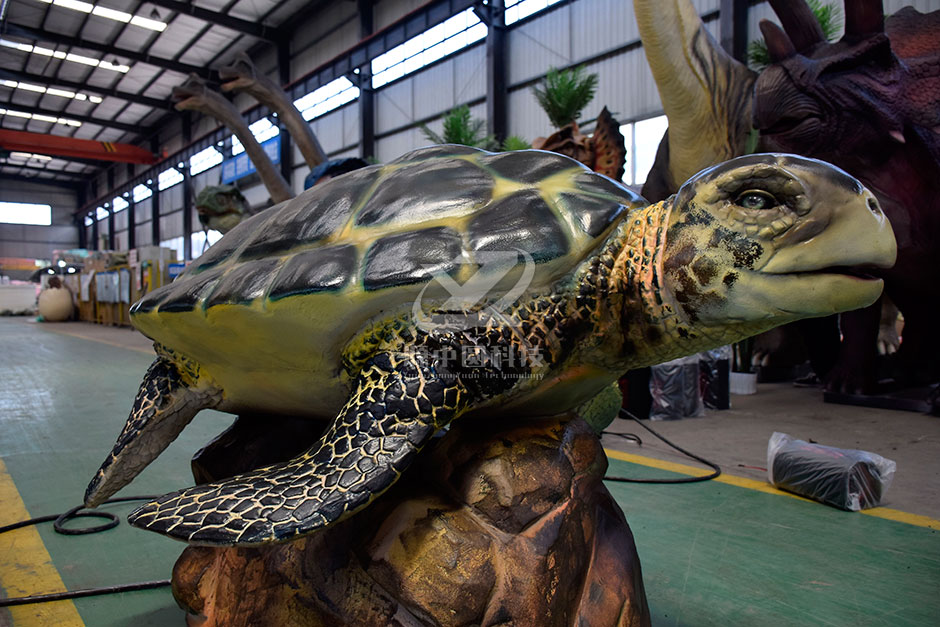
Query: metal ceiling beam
{"points": [[18, 30], [248, 27], [73, 175], [26, 77], [59, 146], [84, 119]]}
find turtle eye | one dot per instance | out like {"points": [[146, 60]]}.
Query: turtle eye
{"points": [[756, 199]]}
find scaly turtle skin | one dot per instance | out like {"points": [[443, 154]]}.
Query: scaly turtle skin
{"points": [[452, 283]]}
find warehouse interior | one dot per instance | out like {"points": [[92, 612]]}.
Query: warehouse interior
{"points": [[101, 174]]}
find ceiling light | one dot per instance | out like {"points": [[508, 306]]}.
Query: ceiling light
{"points": [[29, 155], [58, 54], [41, 118], [112, 14], [50, 91]]}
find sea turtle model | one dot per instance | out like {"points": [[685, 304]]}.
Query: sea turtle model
{"points": [[453, 282]]}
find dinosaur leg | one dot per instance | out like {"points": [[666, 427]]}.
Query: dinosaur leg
{"points": [[165, 404], [397, 404]]}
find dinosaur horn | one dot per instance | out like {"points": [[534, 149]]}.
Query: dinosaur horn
{"points": [[799, 22], [778, 43], [863, 17]]}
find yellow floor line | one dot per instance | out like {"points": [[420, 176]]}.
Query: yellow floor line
{"points": [[26, 567], [763, 486]]}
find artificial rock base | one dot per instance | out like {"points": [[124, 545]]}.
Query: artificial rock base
{"points": [[504, 527]]}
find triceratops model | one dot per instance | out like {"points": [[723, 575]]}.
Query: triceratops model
{"points": [[869, 103]]}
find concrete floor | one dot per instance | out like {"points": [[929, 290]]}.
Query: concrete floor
{"points": [[727, 552], [736, 439]]}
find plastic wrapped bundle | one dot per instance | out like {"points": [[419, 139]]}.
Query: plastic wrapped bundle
{"points": [[675, 389], [845, 478], [714, 368]]}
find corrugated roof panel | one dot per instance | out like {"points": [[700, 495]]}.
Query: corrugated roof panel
{"points": [[251, 9], [137, 78], [135, 38], [75, 72], [16, 124], [176, 37], [26, 13], [210, 44], [212, 5], [101, 29], [65, 21], [133, 114], [36, 64], [162, 87], [286, 11], [110, 135], [20, 98]]}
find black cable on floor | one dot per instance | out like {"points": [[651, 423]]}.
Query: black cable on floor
{"points": [[625, 414], [59, 526]]}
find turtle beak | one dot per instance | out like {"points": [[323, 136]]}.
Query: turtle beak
{"points": [[858, 235]]}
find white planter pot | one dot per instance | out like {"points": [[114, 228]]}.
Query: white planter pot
{"points": [[743, 382]]}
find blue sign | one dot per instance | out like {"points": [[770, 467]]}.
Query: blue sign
{"points": [[240, 165]]}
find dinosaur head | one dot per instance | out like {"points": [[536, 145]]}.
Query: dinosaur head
{"points": [[766, 239], [239, 75], [854, 97], [191, 94]]}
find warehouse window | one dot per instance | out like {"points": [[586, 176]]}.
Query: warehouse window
{"points": [[25, 213], [202, 240], [449, 36], [518, 9], [168, 178], [326, 98], [203, 160], [142, 192], [642, 141], [174, 243], [119, 204], [263, 130]]}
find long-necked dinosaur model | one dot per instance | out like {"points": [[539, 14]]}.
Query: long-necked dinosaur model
{"points": [[242, 76], [194, 95]]}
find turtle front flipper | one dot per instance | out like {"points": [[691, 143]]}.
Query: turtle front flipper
{"points": [[166, 402], [396, 405]]}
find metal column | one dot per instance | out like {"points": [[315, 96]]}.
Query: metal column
{"points": [[733, 28], [496, 84], [155, 200], [287, 150], [366, 94], [188, 193]]}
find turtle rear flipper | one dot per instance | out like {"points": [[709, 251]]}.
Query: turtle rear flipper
{"points": [[165, 404], [396, 406]]}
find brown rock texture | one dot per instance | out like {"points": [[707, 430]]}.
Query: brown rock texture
{"points": [[498, 526]]}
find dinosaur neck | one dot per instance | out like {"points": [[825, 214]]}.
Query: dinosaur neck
{"points": [[272, 96], [223, 110]]}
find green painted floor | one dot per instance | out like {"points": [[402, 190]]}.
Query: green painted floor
{"points": [[712, 554]]}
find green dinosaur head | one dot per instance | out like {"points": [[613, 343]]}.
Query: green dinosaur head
{"points": [[765, 239]]}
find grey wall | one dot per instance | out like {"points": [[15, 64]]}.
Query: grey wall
{"points": [[38, 242]]}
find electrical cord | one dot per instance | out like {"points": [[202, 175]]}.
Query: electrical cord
{"points": [[59, 526], [76, 512], [625, 414]]}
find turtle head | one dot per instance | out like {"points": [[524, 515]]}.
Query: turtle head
{"points": [[766, 239]]}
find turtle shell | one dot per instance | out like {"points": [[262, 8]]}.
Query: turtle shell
{"points": [[354, 249]]}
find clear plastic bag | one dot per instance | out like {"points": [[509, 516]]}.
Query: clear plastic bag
{"points": [[845, 478], [675, 389]]}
